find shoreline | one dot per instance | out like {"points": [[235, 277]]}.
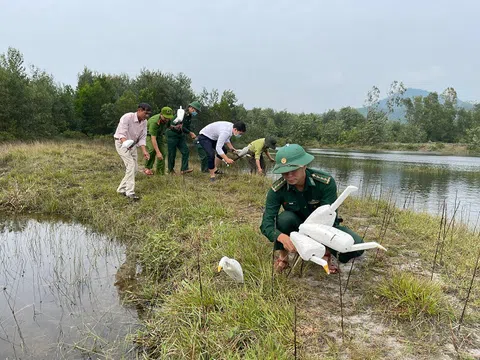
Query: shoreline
{"points": [[422, 148]]}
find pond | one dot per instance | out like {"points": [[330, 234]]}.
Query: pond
{"points": [[421, 182], [59, 298]]}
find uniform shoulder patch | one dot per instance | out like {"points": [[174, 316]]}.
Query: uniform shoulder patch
{"points": [[277, 185], [322, 178]]}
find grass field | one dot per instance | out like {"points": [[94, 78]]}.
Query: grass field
{"points": [[392, 305]]}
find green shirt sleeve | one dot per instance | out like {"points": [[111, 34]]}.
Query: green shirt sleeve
{"points": [[152, 128], [329, 193], [187, 124], [272, 207]]}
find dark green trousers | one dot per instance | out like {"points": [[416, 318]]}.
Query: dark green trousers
{"points": [[177, 141], [252, 163], [288, 221], [162, 146]]}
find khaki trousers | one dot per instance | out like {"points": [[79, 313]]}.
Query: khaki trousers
{"points": [[129, 157]]}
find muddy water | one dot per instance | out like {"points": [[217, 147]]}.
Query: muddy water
{"points": [[58, 299]]}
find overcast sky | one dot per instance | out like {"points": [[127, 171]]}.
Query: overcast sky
{"points": [[302, 55]]}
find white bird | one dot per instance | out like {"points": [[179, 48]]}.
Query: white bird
{"points": [[232, 267], [317, 232], [319, 227], [309, 249], [127, 143], [180, 116]]}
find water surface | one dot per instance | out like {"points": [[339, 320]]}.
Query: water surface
{"points": [[58, 295], [421, 182]]}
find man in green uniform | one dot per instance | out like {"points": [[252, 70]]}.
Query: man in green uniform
{"points": [[176, 138], [299, 191], [156, 142]]}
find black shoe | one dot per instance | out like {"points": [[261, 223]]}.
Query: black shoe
{"points": [[133, 197], [219, 172]]}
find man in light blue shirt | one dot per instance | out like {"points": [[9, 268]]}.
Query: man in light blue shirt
{"points": [[214, 137]]}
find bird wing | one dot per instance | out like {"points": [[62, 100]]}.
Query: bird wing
{"points": [[235, 270]]}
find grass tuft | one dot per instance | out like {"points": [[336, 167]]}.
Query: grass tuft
{"points": [[408, 297]]}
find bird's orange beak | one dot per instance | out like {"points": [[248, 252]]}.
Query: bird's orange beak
{"points": [[327, 270]]}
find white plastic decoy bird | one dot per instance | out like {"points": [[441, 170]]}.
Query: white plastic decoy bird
{"points": [[317, 232], [127, 144], [232, 267], [309, 249], [180, 116]]}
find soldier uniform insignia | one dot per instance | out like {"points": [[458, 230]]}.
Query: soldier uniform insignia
{"points": [[277, 185], [323, 179]]}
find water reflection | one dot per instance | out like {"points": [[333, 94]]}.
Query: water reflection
{"points": [[58, 296], [424, 181]]}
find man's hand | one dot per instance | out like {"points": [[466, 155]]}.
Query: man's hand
{"points": [[159, 156], [192, 135], [260, 171], [146, 155], [287, 243], [229, 161]]}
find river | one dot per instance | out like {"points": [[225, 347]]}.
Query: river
{"points": [[419, 181]]}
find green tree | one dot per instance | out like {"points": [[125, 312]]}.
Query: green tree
{"points": [[90, 100], [42, 120], [64, 109], [14, 93], [374, 130], [350, 117]]}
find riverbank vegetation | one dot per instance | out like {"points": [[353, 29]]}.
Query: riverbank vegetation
{"points": [[33, 106], [405, 303]]}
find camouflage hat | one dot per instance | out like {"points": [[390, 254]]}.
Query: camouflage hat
{"points": [[196, 105], [167, 112], [291, 157]]}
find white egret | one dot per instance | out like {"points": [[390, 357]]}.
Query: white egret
{"points": [[232, 267]]}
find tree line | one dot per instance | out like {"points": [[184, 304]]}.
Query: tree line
{"points": [[34, 106]]}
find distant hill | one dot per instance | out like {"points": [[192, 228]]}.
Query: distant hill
{"points": [[399, 112]]}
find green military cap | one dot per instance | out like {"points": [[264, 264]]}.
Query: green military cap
{"points": [[167, 112], [291, 157], [196, 105]]}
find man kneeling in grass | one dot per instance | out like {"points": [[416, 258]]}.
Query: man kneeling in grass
{"points": [[299, 191]]}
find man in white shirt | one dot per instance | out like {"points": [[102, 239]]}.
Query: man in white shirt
{"points": [[132, 126], [214, 137]]}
